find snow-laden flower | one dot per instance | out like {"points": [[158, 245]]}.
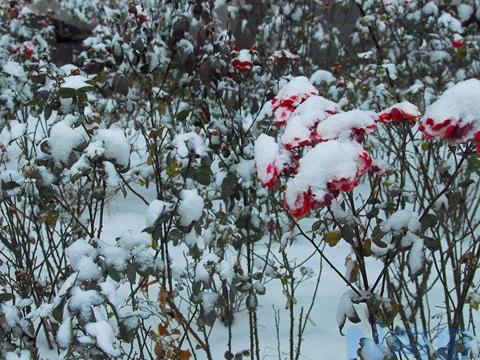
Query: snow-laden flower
{"points": [[457, 41], [326, 170], [455, 116], [295, 92], [302, 125], [27, 49], [243, 60], [404, 111], [355, 125], [269, 160]]}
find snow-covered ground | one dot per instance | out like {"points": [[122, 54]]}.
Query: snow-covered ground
{"points": [[322, 339]]}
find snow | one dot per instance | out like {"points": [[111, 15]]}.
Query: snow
{"points": [[290, 96], [320, 167], [127, 217], [155, 209], [278, 55], [131, 241], [64, 138], [9, 176], [346, 125], [416, 257], [268, 160], [64, 334], [75, 82], [112, 175], [69, 69], [391, 70], [10, 315], [202, 270], [345, 309], [190, 207], [189, 142], [448, 21], [18, 355], [403, 219], [299, 85], [225, 270], [104, 337], [209, 300], [403, 111], [144, 259], [244, 55], [299, 128], [117, 148], [66, 285], [82, 302], [88, 270], [322, 76], [430, 8], [457, 40], [464, 11], [186, 46], [79, 249], [245, 170], [456, 113], [372, 351], [13, 68]]}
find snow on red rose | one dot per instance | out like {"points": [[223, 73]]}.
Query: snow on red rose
{"points": [[243, 61], [325, 170], [457, 41], [355, 124], [334, 163], [455, 116], [269, 160], [404, 111], [301, 127], [295, 92]]}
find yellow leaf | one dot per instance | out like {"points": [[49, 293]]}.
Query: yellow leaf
{"points": [[184, 355], [367, 247], [163, 331], [172, 169], [332, 237]]}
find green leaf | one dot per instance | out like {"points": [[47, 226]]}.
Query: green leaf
{"points": [[113, 274], [154, 243], [428, 221], [156, 231], [131, 273], [372, 213], [316, 225], [175, 235], [203, 175], [347, 233], [5, 297], [474, 164], [9, 185], [66, 93], [229, 185], [431, 243], [367, 247], [182, 115]]}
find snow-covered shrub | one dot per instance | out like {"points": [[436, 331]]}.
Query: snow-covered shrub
{"points": [[276, 158]]}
